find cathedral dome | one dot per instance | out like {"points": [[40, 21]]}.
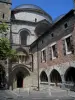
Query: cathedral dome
{"points": [[29, 8]]}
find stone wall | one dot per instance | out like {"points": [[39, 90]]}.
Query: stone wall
{"points": [[5, 11], [62, 62]]}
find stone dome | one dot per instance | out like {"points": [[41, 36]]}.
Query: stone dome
{"points": [[32, 8], [28, 6]]}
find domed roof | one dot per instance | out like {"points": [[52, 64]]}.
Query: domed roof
{"points": [[28, 6], [32, 8]]}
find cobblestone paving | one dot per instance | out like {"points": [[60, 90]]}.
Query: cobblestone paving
{"points": [[24, 95]]}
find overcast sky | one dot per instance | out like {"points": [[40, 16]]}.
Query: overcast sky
{"points": [[54, 8]]}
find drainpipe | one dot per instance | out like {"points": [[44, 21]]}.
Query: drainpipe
{"points": [[32, 61], [38, 65]]}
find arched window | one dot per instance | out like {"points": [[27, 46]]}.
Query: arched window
{"points": [[24, 37], [55, 76], [43, 77]]}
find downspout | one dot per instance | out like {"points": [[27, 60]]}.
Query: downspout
{"points": [[38, 65]]}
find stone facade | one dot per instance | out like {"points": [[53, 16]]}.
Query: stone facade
{"points": [[24, 33], [45, 49]]}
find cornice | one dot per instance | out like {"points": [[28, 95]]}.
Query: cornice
{"points": [[28, 22], [24, 22]]}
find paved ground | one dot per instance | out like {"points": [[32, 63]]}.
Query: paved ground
{"points": [[56, 94]]}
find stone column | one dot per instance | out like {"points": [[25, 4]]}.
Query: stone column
{"points": [[49, 81], [63, 81]]}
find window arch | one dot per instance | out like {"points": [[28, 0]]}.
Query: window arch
{"points": [[24, 36]]}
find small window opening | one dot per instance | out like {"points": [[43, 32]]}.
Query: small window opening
{"points": [[3, 15], [44, 55], [35, 19], [65, 25], [68, 44], [52, 35], [42, 41], [54, 51]]}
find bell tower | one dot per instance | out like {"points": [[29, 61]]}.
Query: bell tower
{"points": [[5, 10]]}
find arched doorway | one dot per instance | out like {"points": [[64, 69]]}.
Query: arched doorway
{"points": [[70, 75], [20, 77], [43, 77], [24, 37], [2, 77], [20, 73], [55, 76]]}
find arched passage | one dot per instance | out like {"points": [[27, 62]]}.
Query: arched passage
{"points": [[19, 73], [2, 77], [24, 36], [70, 75], [55, 76], [43, 77]]}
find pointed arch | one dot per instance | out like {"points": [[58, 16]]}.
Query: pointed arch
{"points": [[70, 75], [55, 76], [43, 77]]}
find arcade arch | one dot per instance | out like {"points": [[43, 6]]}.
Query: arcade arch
{"points": [[43, 77], [55, 76], [70, 75]]}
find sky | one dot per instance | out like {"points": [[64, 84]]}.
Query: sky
{"points": [[54, 8]]}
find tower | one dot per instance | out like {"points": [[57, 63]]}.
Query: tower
{"points": [[5, 15], [5, 10]]}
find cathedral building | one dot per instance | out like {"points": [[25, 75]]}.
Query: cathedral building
{"points": [[45, 48], [28, 23]]}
